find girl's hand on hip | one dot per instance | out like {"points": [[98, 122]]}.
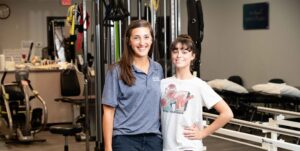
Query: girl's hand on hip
{"points": [[193, 133]]}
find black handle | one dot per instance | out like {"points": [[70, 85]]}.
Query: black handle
{"points": [[29, 53]]}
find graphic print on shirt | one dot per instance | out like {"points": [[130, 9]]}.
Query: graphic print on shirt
{"points": [[175, 101]]}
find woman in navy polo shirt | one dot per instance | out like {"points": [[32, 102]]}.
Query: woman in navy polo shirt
{"points": [[131, 95]]}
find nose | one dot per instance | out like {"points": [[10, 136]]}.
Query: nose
{"points": [[142, 41], [179, 54]]}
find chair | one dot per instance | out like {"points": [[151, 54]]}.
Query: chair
{"points": [[65, 130], [69, 87]]}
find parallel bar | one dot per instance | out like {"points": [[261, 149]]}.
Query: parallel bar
{"points": [[288, 123], [277, 111], [237, 141], [257, 139], [257, 126]]}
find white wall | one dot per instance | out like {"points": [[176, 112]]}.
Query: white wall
{"points": [[255, 55], [28, 21]]}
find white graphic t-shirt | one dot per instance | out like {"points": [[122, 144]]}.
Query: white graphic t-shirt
{"points": [[181, 106]]}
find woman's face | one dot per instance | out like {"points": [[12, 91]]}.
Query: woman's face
{"points": [[182, 56], [140, 41]]}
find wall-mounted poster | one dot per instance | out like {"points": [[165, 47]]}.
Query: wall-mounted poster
{"points": [[256, 16], [65, 2]]}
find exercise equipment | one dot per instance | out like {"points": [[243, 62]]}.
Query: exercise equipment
{"points": [[267, 142], [115, 10], [165, 65], [99, 67], [71, 93], [70, 87], [195, 29], [19, 120], [105, 40]]}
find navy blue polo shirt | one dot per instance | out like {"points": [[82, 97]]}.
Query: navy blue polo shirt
{"points": [[137, 107]]}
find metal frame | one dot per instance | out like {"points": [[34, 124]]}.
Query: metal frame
{"points": [[269, 144], [165, 39], [12, 130], [283, 131], [277, 111], [99, 38], [99, 48]]}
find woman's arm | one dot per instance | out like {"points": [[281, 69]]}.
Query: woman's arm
{"points": [[225, 116], [108, 122]]}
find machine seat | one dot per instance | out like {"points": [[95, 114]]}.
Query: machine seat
{"points": [[66, 130]]}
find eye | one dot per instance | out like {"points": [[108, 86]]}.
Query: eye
{"points": [[175, 51], [185, 52], [135, 38], [147, 37]]}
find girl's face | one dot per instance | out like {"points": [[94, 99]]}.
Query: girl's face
{"points": [[140, 41], [182, 56]]}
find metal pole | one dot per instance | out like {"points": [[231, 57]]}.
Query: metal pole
{"points": [[153, 22], [147, 13], [173, 26], [98, 68], [129, 10], [85, 70], [120, 39], [139, 9], [173, 21], [27, 113], [165, 38], [178, 18], [112, 43], [277, 111]]}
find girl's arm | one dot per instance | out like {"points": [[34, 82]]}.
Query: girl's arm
{"points": [[108, 120], [225, 116]]}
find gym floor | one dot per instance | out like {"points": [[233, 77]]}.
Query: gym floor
{"points": [[56, 143]]}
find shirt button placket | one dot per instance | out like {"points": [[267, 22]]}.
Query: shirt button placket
{"points": [[147, 80]]}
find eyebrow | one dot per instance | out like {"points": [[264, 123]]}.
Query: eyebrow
{"points": [[175, 48]]}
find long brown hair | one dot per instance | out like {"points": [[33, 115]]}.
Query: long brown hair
{"points": [[127, 55]]}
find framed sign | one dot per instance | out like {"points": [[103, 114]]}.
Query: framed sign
{"points": [[256, 16], [65, 2]]}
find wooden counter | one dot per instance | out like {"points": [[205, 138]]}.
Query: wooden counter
{"points": [[47, 83]]}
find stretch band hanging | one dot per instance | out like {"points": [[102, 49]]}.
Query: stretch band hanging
{"points": [[155, 4]]}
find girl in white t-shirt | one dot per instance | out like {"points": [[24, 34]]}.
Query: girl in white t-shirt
{"points": [[183, 97]]}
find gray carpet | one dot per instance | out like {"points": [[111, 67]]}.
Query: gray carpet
{"points": [[55, 142]]}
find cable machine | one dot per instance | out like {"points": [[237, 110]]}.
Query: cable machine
{"points": [[103, 41]]}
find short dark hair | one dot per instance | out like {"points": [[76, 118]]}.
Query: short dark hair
{"points": [[185, 40]]}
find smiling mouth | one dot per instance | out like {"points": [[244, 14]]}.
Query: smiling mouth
{"points": [[142, 49], [179, 60]]}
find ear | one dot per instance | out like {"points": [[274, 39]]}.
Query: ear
{"points": [[193, 56]]}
